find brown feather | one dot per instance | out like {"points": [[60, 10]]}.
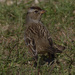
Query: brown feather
{"points": [[39, 39]]}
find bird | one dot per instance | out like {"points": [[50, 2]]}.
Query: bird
{"points": [[37, 37]]}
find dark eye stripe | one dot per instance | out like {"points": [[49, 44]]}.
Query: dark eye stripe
{"points": [[36, 11]]}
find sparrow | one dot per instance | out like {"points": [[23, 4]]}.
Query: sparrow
{"points": [[37, 37]]}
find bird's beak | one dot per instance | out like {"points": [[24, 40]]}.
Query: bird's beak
{"points": [[42, 11]]}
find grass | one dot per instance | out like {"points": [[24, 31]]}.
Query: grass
{"points": [[60, 21]]}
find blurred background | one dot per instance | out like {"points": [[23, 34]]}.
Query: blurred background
{"points": [[60, 21]]}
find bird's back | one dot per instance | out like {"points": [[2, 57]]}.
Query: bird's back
{"points": [[40, 34]]}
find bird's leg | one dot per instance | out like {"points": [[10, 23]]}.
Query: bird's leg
{"points": [[51, 57]]}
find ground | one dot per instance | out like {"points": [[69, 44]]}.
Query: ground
{"points": [[60, 21]]}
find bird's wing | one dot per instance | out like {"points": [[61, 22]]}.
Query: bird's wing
{"points": [[30, 43], [55, 48], [45, 33]]}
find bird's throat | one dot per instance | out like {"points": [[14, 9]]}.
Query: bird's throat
{"points": [[33, 20]]}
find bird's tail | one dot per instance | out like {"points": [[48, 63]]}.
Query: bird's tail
{"points": [[58, 48]]}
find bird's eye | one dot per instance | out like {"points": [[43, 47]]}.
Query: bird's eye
{"points": [[36, 11]]}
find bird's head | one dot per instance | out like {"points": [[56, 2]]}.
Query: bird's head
{"points": [[34, 13]]}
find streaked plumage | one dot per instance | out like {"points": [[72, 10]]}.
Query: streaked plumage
{"points": [[37, 37]]}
